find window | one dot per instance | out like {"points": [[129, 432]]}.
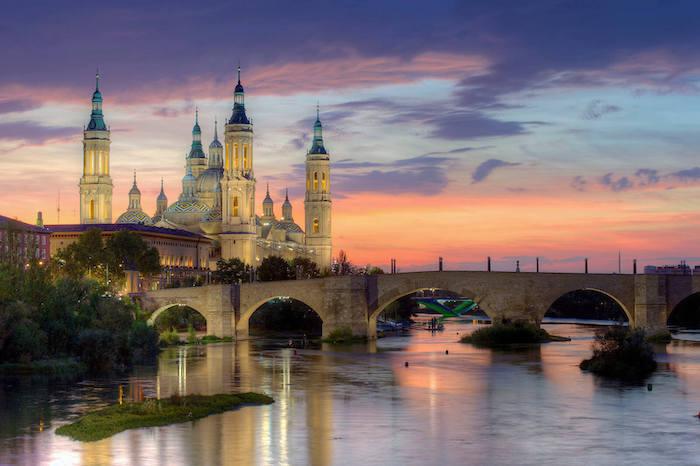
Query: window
{"points": [[91, 214], [315, 226], [323, 182], [245, 157], [235, 206], [315, 181]]}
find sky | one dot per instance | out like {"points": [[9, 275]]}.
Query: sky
{"points": [[557, 129]]}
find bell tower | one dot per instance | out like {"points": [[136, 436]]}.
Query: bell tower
{"points": [[96, 184], [317, 201], [239, 230]]}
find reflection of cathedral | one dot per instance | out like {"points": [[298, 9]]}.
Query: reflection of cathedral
{"points": [[218, 193]]}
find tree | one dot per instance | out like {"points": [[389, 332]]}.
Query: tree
{"points": [[373, 270], [274, 268], [303, 268], [106, 261], [231, 271], [342, 265]]}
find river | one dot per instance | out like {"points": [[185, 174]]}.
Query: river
{"points": [[362, 405]]}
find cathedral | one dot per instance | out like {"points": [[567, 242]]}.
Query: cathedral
{"points": [[218, 193]]}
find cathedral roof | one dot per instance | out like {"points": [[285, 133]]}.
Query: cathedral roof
{"points": [[289, 227], [135, 216], [317, 146], [162, 196], [209, 180]]}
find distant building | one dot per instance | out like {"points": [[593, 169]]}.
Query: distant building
{"points": [[21, 242], [184, 255], [680, 269]]}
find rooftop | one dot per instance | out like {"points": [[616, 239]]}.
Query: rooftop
{"points": [[111, 227]]}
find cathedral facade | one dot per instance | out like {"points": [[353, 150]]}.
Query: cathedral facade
{"points": [[218, 193]]}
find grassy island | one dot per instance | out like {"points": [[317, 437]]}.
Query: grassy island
{"points": [[504, 334], [343, 336], [105, 422], [621, 353]]}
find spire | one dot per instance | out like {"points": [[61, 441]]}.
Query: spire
{"points": [[317, 146], [97, 122], [268, 189], [162, 196], [238, 115], [287, 207], [216, 130], [134, 188], [196, 151]]}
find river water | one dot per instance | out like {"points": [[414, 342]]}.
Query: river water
{"points": [[361, 405]]}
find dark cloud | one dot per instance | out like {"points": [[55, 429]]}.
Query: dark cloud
{"points": [[424, 174], [620, 184], [32, 133], [597, 108], [647, 176], [17, 105], [469, 125], [486, 168], [689, 174], [579, 183], [171, 112]]}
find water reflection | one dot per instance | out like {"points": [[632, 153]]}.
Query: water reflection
{"points": [[344, 405]]}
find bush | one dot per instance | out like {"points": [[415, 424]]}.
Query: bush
{"points": [[507, 333], [342, 335], [97, 349], [191, 336], [25, 343], [143, 341], [621, 353], [169, 337]]}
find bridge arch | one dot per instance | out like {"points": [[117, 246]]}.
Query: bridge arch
{"points": [[390, 299], [167, 307], [561, 294], [243, 324], [686, 313]]}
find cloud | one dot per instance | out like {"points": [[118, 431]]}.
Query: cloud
{"points": [[35, 134], [689, 174], [579, 183], [485, 169], [17, 105], [619, 184], [596, 109], [647, 176], [469, 125]]}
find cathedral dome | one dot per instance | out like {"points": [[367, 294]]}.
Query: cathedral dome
{"points": [[186, 212], [209, 180], [211, 222], [135, 216]]}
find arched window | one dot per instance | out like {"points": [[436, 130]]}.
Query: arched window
{"points": [[235, 151], [245, 157], [235, 206], [228, 156], [308, 183], [315, 181], [315, 226], [92, 209], [323, 182]]}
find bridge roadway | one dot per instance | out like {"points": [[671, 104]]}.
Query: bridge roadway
{"points": [[356, 301]]}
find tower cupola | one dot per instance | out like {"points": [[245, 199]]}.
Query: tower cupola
{"points": [[287, 208], [196, 151], [268, 204], [97, 121], [238, 115], [134, 195], [317, 146]]}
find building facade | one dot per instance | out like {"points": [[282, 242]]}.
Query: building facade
{"points": [[218, 197], [21, 242], [184, 256]]}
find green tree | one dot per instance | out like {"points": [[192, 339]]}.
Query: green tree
{"points": [[273, 268], [231, 271], [302, 267], [342, 265]]}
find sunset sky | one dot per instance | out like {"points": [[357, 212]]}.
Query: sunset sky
{"points": [[554, 128]]}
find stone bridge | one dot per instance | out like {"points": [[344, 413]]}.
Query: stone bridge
{"points": [[356, 301]]}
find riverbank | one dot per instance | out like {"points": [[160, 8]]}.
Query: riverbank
{"points": [[105, 422]]}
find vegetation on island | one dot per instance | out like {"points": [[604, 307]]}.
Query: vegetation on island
{"points": [[343, 336], [67, 316], [105, 422], [621, 353], [509, 333]]}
